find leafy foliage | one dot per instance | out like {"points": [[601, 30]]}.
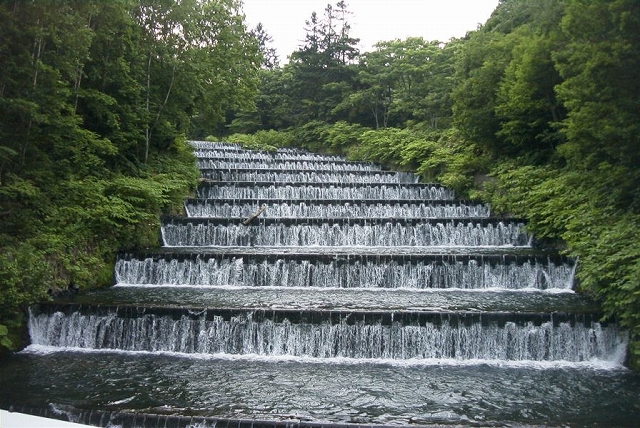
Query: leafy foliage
{"points": [[577, 177], [95, 100], [536, 112]]}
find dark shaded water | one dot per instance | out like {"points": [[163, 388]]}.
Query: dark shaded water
{"points": [[326, 390]]}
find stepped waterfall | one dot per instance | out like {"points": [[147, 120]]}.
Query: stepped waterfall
{"points": [[303, 289]]}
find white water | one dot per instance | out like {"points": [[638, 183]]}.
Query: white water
{"points": [[309, 192], [216, 272], [387, 234], [614, 363], [310, 176], [396, 354], [205, 163], [211, 208], [211, 145], [265, 157], [198, 334]]}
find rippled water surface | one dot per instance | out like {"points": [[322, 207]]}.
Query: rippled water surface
{"points": [[338, 391], [340, 299]]}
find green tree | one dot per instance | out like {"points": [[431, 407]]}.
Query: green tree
{"points": [[405, 81], [322, 75], [270, 59], [600, 66], [504, 98], [199, 63], [526, 105], [480, 66], [601, 90], [96, 98], [580, 188]]}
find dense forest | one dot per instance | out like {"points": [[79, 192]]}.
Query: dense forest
{"points": [[96, 100], [537, 112]]}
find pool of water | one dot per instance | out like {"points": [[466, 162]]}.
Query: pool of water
{"points": [[342, 391]]}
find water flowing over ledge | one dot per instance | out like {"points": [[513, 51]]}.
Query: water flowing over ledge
{"points": [[204, 163], [341, 192], [312, 232], [302, 176], [358, 298], [330, 334], [424, 272], [333, 209]]}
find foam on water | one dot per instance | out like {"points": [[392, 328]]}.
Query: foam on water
{"points": [[613, 364], [324, 334]]}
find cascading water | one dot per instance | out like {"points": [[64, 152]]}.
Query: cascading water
{"points": [[265, 157], [346, 209], [190, 233], [353, 192], [309, 289], [364, 335], [253, 155], [435, 272], [303, 176], [206, 163]]}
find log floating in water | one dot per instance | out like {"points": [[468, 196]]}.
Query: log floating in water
{"points": [[255, 215], [207, 180]]}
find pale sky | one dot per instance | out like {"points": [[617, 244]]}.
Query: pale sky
{"points": [[372, 20]]}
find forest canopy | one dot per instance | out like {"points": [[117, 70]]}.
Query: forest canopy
{"points": [[96, 100], [536, 112]]}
